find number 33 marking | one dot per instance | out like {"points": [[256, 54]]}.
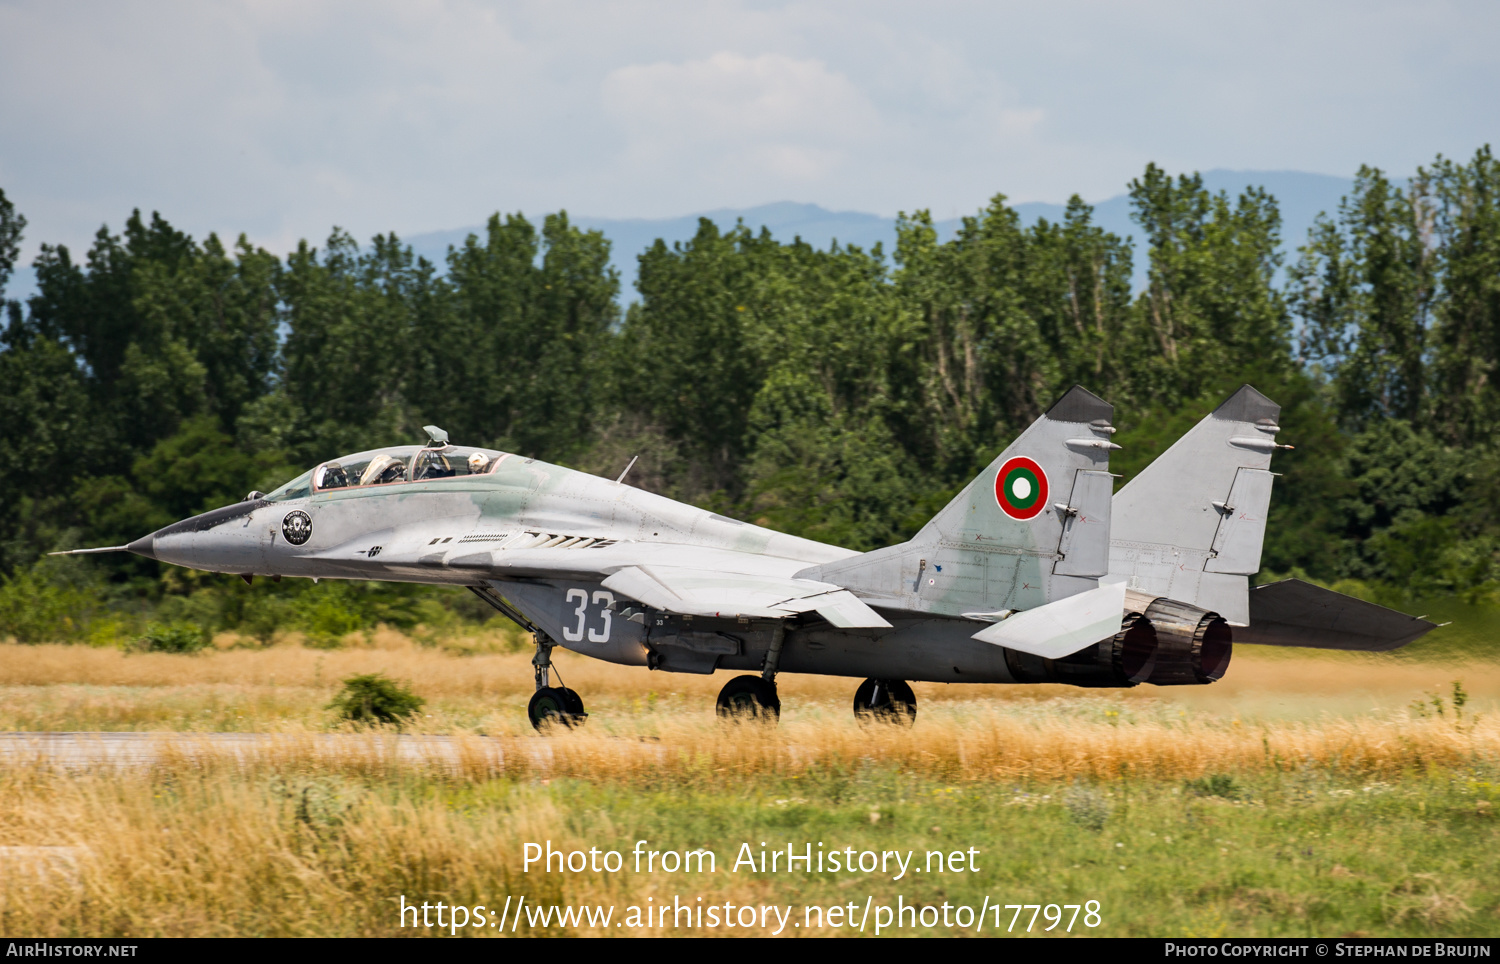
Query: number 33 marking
{"points": [[604, 600]]}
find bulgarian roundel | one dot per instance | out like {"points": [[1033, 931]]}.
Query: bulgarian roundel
{"points": [[1021, 488]]}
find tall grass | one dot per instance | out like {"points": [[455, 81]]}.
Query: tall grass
{"points": [[642, 722], [193, 848], [1295, 797]]}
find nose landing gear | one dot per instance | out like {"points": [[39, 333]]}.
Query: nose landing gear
{"points": [[558, 705], [888, 701], [555, 704]]}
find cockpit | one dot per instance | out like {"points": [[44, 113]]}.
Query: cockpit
{"points": [[390, 466]]}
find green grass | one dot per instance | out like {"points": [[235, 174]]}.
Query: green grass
{"points": [[1288, 855], [299, 853]]}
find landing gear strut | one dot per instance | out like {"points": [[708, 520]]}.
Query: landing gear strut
{"points": [[885, 701], [555, 704], [558, 704]]}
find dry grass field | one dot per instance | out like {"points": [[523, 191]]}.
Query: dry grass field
{"points": [[1301, 795]]}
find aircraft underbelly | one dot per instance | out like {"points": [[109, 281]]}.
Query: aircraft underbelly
{"points": [[581, 616], [928, 650]]}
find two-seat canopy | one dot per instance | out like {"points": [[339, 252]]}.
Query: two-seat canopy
{"points": [[390, 466]]}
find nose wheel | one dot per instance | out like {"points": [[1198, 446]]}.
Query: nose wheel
{"points": [[747, 698], [885, 701], [557, 705]]}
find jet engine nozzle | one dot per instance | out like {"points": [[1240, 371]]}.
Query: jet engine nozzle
{"points": [[1193, 645]]}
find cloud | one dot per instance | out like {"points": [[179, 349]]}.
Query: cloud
{"points": [[282, 119], [795, 118]]}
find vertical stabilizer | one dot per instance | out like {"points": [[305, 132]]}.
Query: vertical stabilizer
{"points": [[1190, 526], [1031, 528]]}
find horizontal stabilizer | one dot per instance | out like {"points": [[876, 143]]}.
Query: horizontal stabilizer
{"points": [[1063, 627], [1297, 613]]}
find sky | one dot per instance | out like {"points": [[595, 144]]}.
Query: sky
{"points": [[283, 119]]}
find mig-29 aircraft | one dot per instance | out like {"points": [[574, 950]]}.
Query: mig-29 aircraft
{"points": [[1034, 573]]}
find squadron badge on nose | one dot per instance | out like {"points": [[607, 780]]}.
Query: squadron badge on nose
{"points": [[297, 527]]}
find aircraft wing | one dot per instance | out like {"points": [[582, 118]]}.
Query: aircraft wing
{"points": [[699, 592], [719, 586]]}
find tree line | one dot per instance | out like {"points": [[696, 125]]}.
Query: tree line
{"points": [[841, 394]]}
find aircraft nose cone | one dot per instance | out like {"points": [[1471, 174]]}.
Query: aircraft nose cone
{"points": [[144, 546]]}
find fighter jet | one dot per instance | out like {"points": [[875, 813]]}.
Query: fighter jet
{"points": [[1033, 573]]}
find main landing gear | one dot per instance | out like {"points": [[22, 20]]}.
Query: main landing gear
{"points": [[747, 698], [555, 705], [888, 701]]}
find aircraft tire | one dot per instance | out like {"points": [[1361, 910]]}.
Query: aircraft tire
{"points": [[556, 705], [749, 698], [889, 701]]}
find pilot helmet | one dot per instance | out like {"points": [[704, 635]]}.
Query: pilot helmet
{"points": [[477, 462]]}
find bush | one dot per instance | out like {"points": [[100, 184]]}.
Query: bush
{"points": [[1087, 806], [375, 698], [174, 638], [49, 602]]}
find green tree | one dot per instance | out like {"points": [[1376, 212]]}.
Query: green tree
{"points": [[348, 350], [1363, 287], [1465, 339], [1210, 305], [685, 360], [1077, 283], [12, 225], [518, 358]]}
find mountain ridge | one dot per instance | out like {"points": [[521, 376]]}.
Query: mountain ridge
{"points": [[1300, 196]]}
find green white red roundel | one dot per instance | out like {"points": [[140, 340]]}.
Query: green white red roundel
{"points": [[1021, 488]]}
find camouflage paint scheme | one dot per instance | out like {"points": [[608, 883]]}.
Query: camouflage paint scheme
{"points": [[559, 545], [610, 571]]}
